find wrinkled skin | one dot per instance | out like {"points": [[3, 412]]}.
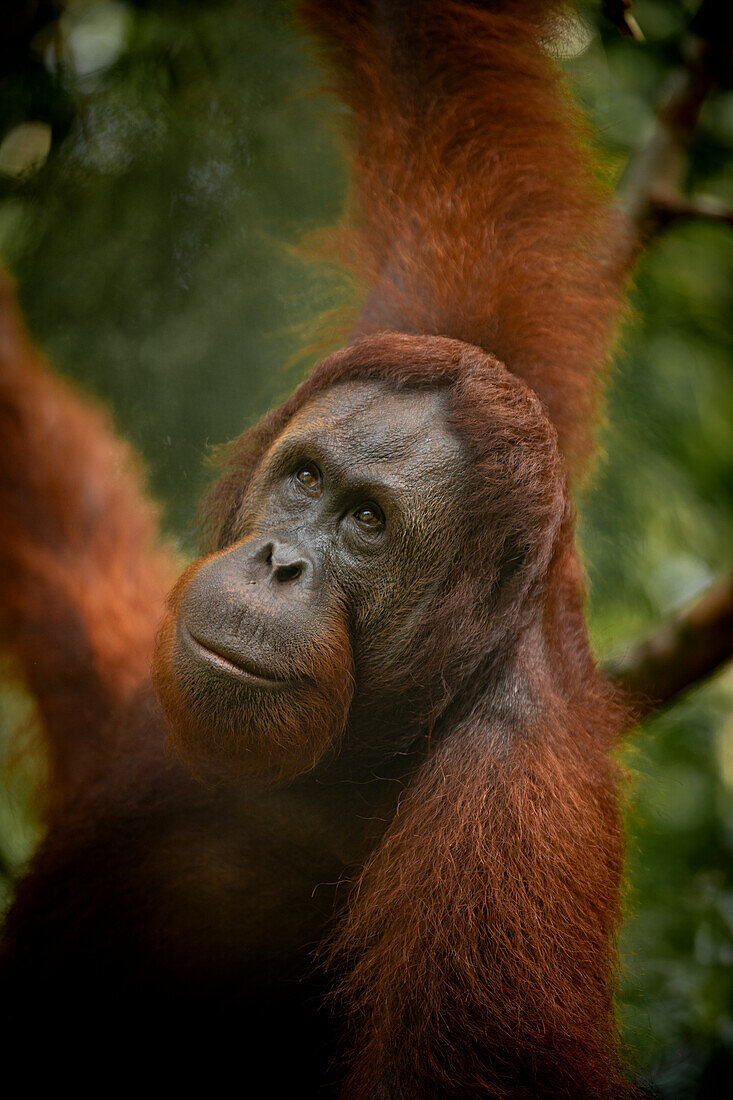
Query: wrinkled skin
{"points": [[343, 535]]}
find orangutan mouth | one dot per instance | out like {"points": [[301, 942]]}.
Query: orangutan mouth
{"points": [[225, 663]]}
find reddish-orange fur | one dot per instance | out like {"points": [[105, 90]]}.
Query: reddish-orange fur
{"points": [[477, 957], [480, 936], [82, 579], [475, 212], [477, 954]]}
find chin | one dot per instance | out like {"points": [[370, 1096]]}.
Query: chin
{"points": [[233, 720]]}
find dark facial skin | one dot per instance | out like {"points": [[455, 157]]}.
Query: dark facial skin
{"points": [[345, 532]]}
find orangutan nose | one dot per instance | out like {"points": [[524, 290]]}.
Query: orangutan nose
{"points": [[282, 562], [244, 604]]}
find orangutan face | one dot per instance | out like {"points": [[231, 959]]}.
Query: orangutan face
{"points": [[350, 521]]}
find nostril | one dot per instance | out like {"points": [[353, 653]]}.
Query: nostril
{"points": [[262, 555], [286, 573]]}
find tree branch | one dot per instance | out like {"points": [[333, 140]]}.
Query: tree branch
{"points": [[699, 640], [650, 198], [671, 206], [688, 648]]}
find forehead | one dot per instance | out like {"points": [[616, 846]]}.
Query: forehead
{"points": [[369, 423]]}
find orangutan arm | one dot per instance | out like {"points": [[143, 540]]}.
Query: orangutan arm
{"points": [[82, 576], [475, 214]]}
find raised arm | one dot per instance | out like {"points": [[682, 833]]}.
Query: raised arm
{"points": [[475, 211]]}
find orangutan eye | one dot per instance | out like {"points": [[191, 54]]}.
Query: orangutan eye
{"points": [[309, 476], [369, 515]]}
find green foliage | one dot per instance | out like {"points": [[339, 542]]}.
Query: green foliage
{"points": [[153, 257], [151, 249], [656, 528]]}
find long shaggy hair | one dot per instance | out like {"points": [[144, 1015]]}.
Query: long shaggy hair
{"points": [[476, 210], [477, 955]]}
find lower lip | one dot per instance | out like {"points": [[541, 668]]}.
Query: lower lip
{"points": [[223, 665]]}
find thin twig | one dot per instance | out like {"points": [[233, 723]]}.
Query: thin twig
{"points": [[621, 15], [650, 197]]}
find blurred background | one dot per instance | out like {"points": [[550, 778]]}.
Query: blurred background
{"points": [[160, 160]]}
